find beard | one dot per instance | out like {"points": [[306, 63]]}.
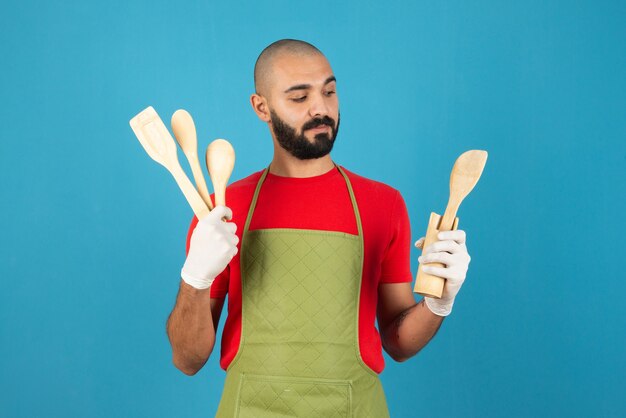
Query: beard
{"points": [[297, 144]]}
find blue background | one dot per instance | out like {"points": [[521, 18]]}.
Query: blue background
{"points": [[93, 231]]}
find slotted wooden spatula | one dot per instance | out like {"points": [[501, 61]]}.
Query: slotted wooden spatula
{"points": [[160, 146]]}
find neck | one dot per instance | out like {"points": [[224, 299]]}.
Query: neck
{"points": [[286, 165]]}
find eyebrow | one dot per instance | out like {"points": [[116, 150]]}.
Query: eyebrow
{"points": [[308, 86]]}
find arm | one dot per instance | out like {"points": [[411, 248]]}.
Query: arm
{"points": [[192, 324], [405, 326], [191, 327]]}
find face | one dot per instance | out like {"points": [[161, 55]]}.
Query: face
{"points": [[303, 106]]}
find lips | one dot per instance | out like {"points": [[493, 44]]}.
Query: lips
{"points": [[319, 125]]}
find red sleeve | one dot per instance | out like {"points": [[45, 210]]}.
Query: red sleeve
{"points": [[396, 265], [219, 287]]}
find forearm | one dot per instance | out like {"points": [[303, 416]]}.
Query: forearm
{"points": [[410, 331], [190, 329]]}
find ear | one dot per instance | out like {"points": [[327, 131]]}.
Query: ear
{"points": [[259, 105]]}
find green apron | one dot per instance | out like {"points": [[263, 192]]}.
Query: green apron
{"points": [[299, 351]]}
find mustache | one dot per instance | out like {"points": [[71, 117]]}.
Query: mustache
{"points": [[314, 123]]}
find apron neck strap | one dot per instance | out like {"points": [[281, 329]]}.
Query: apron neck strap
{"points": [[254, 199]]}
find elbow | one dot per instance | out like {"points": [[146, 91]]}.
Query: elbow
{"points": [[187, 369], [398, 355], [399, 358], [187, 366]]}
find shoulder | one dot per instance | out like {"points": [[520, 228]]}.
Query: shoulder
{"points": [[239, 195], [240, 192], [244, 185], [373, 189]]}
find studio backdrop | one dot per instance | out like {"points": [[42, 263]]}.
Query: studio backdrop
{"points": [[94, 231]]}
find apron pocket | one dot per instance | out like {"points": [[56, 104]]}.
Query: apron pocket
{"points": [[263, 396]]}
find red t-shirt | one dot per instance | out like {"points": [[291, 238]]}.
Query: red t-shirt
{"points": [[322, 203]]}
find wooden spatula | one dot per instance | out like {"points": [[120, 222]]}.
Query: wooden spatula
{"points": [[160, 146], [185, 133], [220, 160], [465, 174]]}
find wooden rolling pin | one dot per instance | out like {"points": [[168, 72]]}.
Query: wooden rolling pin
{"points": [[465, 174]]}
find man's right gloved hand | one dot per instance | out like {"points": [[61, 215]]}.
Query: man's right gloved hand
{"points": [[213, 244]]}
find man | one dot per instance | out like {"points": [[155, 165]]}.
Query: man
{"points": [[311, 255]]}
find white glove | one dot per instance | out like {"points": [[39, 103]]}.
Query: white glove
{"points": [[452, 252], [213, 245]]}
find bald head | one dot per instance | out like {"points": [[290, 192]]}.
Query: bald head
{"points": [[264, 64]]}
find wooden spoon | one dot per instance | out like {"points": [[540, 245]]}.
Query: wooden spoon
{"points": [[220, 160], [160, 146], [465, 174], [185, 133]]}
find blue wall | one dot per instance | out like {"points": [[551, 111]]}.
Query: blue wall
{"points": [[93, 231]]}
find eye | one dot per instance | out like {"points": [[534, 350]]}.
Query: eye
{"points": [[299, 99], [330, 92]]}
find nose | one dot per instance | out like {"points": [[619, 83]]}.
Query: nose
{"points": [[319, 107]]}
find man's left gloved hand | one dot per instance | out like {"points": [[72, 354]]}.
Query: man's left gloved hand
{"points": [[451, 251]]}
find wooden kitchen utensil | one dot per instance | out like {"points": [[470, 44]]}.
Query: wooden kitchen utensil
{"points": [[465, 174], [185, 133], [220, 160], [160, 146]]}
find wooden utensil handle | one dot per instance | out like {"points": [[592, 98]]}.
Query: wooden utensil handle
{"points": [[191, 194], [200, 183], [220, 196], [447, 220], [427, 284]]}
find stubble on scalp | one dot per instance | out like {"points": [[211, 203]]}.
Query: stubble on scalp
{"points": [[263, 68]]}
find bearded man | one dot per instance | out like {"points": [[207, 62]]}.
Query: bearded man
{"points": [[311, 256]]}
